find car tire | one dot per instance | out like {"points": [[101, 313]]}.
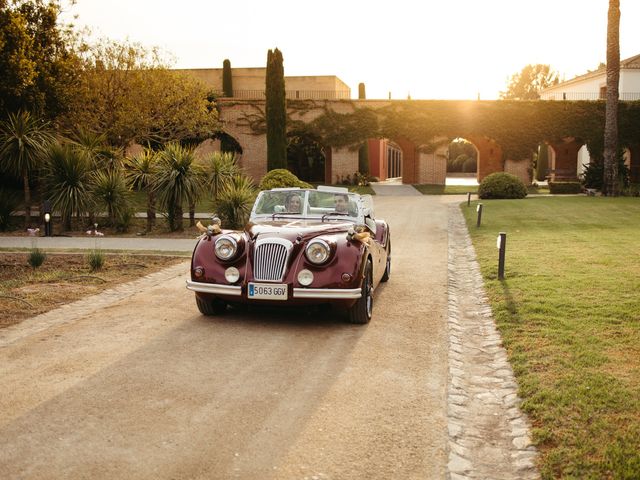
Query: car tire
{"points": [[387, 269], [360, 312], [213, 306]]}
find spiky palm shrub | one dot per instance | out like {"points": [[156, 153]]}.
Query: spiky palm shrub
{"points": [[220, 169], [235, 201], [68, 181], [111, 193], [9, 202], [140, 171], [24, 139], [178, 180], [95, 147]]}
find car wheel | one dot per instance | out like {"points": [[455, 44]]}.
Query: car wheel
{"points": [[361, 311], [211, 306], [387, 270]]}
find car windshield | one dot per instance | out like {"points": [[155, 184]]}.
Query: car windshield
{"points": [[306, 203]]}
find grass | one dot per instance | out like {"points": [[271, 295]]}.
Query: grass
{"points": [[569, 314], [427, 189]]}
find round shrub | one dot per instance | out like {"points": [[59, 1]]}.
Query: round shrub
{"points": [[502, 185], [281, 178]]}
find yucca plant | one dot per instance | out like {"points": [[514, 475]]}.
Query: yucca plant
{"points": [[24, 139], [94, 146], [220, 169], [110, 192], [235, 201], [178, 180], [140, 171], [68, 182]]}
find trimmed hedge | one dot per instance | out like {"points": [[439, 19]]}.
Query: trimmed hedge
{"points": [[281, 178], [502, 185], [565, 187]]}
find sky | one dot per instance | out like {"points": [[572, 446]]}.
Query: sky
{"points": [[426, 49]]}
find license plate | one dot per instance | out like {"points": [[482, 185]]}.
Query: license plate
{"points": [[268, 291]]}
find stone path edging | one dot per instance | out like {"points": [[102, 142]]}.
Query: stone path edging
{"points": [[488, 433], [69, 312]]}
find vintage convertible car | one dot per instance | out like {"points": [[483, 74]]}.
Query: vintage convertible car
{"points": [[300, 247]]}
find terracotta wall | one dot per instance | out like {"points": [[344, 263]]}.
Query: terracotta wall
{"points": [[489, 156], [432, 169], [565, 160], [521, 169], [378, 158]]}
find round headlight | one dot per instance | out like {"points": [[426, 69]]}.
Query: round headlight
{"points": [[232, 274], [305, 277], [318, 251], [225, 247]]}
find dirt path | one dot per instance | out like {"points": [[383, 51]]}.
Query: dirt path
{"points": [[142, 386]]}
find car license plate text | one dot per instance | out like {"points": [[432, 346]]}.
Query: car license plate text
{"points": [[267, 291]]}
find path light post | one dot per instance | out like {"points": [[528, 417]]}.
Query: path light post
{"points": [[468, 199], [479, 210], [48, 226], [502, 246]]}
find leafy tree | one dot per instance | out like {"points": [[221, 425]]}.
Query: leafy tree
{"points": [[68, 182], [527, 84], [276, 112], [38, 63], [178, 180], [227, 79], [127, 93], [140, 171], [610, 186], [24, 139]]}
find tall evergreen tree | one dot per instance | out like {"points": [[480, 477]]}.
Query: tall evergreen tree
{"points": [[611, 111], [361, 92], [227, 79], [276, 112]]}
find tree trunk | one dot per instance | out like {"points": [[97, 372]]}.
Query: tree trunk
{"points": [[177, 219], [27, 201], [192, 214], [610, 184], [151, 210]]}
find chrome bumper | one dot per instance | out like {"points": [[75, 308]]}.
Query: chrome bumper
{"points": [[233, 290], [328, 293]]}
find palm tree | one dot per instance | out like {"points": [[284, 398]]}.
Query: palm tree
{"points": [[220, 170], [177, 181], [95, 147], [111, 192], [23, 144], [235, 201], [68, 181], [140, 173], [611, 113]]}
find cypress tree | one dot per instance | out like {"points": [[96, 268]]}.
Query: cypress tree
{"points": [[361, 92], [276, 112], [227, 83]]}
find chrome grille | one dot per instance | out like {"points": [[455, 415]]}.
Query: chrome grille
{"points": [[270, 259]]}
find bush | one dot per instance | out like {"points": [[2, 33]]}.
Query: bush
{"points": [[95, 259], [565, 187], [593, 175], [235, 202], [9, 202], [502, 185], [36, 257], [281, 178]]}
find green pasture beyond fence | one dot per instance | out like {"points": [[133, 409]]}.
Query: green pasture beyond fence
{"points": [[569, 314]]}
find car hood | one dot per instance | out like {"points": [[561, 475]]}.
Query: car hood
{"points": [[292, 229]]}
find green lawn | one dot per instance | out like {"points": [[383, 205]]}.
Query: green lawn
{"points": [[427, 189], [569, 314]]}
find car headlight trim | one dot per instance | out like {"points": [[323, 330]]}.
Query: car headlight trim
{"points": [[318, 251], [225, 247]]}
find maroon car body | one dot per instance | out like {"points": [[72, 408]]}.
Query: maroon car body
{"points": [[311, 256]]}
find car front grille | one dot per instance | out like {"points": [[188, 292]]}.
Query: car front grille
{"points": [[270, 259]]}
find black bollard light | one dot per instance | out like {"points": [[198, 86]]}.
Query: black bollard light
{"points": [[502, 248], [48, 221], [468, 199], [479, 210]]}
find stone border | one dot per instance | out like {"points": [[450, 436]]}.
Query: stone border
{"points": [[71, 311], [488, 433]]}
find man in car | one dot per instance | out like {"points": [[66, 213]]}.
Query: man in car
{"points": [[341, 201]]}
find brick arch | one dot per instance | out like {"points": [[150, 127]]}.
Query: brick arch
{"points": [[563, 162]]}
